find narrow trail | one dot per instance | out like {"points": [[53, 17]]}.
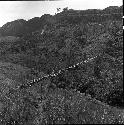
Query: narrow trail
{"points": [[53, 74]]}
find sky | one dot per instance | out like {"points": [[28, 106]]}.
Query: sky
{"points": [[12, 10]]}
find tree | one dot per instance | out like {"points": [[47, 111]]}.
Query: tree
{"points": [[58, 9], [65, 9]]}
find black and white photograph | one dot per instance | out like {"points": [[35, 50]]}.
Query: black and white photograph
{"points": [[61, 62]]}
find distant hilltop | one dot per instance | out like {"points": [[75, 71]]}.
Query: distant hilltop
{"points": [[21, 27]]}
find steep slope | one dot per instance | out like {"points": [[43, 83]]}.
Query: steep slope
{"points": [[53, 43]]}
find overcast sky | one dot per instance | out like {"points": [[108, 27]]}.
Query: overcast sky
{"points": [[12, 10]]}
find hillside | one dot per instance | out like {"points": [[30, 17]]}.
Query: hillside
{"points": [[37, 47], [21, 27]]}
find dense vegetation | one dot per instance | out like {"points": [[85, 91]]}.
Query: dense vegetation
{"points": [[29, 49]]}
